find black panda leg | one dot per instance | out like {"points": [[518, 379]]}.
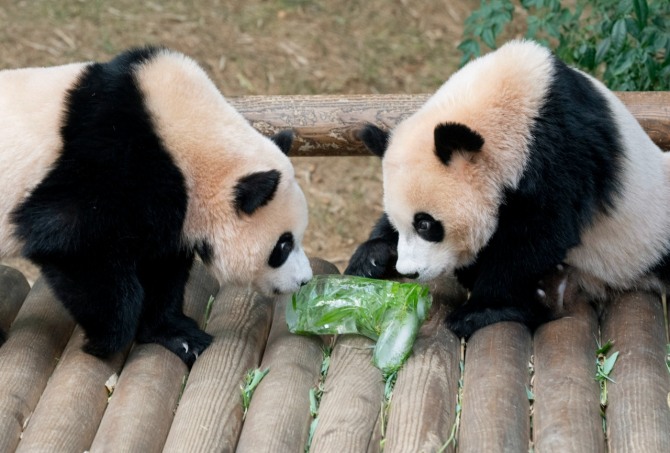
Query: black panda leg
{"points": [[376, 257], [495, 299], [163, 320], [479, 312], [103, 295]]}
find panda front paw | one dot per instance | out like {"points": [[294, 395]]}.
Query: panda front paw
{"points": [[473, 315], [468, 318], [188, 347], [181, 335], [374, 259]]}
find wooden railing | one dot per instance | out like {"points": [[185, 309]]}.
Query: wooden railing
{"points": [[327, 125]]}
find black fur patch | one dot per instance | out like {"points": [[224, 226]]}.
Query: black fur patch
{"points": [[256, 190], [454, 137], [281, 250], [284, 140], [376, 257], [375, 139], [105, 224], [428, 228]]}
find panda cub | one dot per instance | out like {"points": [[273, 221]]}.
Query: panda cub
{"points": [[114, 175], [516, 164]]}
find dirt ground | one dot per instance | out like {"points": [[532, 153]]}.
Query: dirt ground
{"points": [[255, 47]]}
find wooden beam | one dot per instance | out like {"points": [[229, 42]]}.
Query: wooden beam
{"points": [[327, 125]]}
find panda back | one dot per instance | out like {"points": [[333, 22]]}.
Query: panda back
{"points": [[33, 104]]}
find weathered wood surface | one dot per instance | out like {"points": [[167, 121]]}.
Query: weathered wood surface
{"points": [[142, 406], [352, 398], [423, 406], [496, 410], [638, 416], [71, 411], [209, 417], [566, 412], [328, 124], [13, 290], [35, 343], [279, 415]]}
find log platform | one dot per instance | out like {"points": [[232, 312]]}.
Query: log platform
{"points": [[506, 390]]}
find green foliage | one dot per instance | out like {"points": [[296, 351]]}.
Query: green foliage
{"points": [[626, 43], [604, 367], [251, 381]]}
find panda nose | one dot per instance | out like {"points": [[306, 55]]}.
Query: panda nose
{"points": [[412, 276], [303, 283]]}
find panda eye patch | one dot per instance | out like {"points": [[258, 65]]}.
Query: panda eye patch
{"points": [[281, 251], [428, 228]]}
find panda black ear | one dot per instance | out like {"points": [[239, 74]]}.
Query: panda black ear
{"points": [[284, 140], [255, 190], [450, 137], [375, 139]]}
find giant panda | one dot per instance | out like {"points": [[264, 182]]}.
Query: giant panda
{"points": [[519, 163], [115, 175]]}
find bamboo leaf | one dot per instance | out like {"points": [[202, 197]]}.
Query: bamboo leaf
{"points": [[608, 365]]}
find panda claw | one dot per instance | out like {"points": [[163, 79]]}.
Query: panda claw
{"points": [[541, 293], [185, 346]]}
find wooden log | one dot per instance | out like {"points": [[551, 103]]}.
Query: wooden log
{"points": [[142, 406], [423, 407], [209, 416], [328, 124], [279, 417], [566, 414], [13, 290], [352, 398], [69, 412], [36, 340], [652, 110], [638, 413], [495, 402]]}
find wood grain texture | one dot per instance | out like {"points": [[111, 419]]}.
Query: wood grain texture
{"points": [[566, 413], [423, 406], [69, 412], [328, 124], [209, 416], [351, 402], [495, 413], [142, 406], [652, 110], [638, 415], [278, 418], [13, 290], [36, 340]]}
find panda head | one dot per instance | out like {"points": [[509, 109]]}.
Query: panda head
{"points": [[447, 166], [442, 215], [268, 226], [250, 224], [246, 215]]}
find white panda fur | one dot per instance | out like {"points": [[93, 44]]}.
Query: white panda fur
{"points": [[520, 163], [115, 174]]}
